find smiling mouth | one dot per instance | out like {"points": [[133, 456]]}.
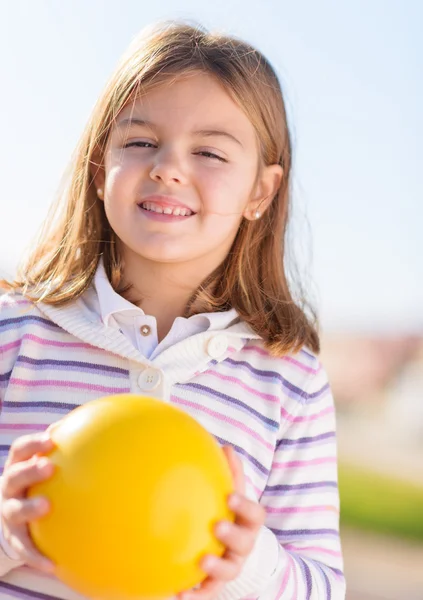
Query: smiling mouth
{"points": [[177, 211]]}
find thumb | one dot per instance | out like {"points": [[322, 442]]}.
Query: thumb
{"points": [[237, 470]]}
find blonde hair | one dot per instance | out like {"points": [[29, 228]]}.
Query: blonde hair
{"points": [[253, 277]]}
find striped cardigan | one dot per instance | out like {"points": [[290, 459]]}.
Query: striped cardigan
{"points": [[277, 413]]}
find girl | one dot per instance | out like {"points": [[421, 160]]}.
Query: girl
{"points": [[162, 272]]}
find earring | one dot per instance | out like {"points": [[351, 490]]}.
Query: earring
{"points": [[99, 192], [257, 214]]}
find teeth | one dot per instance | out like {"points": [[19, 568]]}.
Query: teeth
{"points": [[177, 212]]}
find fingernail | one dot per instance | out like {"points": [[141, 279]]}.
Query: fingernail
{"points": [[234, 501], [41, 503], [44, 465], [209, 563], [222, 528], [48, 566]]}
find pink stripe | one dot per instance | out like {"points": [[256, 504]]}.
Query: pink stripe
{"points": [[67, 384], [23, 426], [301, 509], [301, 366], [305, 463], [301, 549], [244, 386], [295, 595], [10, 345], [257, 491], [226, 419], [289, 359], [314, 417], [285, 578], [44, 342]]}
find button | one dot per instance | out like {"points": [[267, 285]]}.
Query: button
{"points": [[217, 346], [145, 330], [149, 379]]}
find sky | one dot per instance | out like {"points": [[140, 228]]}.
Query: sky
{"points": [[352, 79]]}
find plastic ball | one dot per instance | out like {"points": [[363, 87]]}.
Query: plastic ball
{"points": [[137, 489]]}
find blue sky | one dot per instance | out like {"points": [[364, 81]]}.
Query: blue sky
{"points": [[352, 74]]}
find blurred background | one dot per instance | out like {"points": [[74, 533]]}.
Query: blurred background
{"points": [[352, 76]]}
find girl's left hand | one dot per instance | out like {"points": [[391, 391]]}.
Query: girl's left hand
{"points": [[238, 537]]}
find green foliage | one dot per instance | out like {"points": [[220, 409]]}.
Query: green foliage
{"points": [[379, 503]]}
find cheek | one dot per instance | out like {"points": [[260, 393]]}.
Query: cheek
{"points": [[122, 182], [225, 192]]}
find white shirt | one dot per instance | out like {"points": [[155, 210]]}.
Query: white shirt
{"points": [[141, 329]]}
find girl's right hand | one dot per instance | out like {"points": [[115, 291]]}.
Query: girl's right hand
{"points": [[24, 467]]}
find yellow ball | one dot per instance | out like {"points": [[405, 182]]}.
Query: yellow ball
{"points": [[137, 489]]}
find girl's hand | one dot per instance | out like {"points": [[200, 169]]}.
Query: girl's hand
{"points": [[238, 537], [24, 467]]}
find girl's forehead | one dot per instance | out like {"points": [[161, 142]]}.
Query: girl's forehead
{"points": [[197, 99]]}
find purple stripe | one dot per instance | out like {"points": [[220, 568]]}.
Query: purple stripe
{"points": [[230, 400], [338, 572], [33, 406], [301, 486], [240, 450], [25, 593], [308, 577], [9, 323], [328, 586], [5, 376], [320, 568], [260, 374], [302, 351], [72, 365], [305, 440], [299, 532]]}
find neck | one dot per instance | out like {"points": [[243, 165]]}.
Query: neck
{"points": [[163, 290]]}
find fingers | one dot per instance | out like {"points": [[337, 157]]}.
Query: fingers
{"points": [[25, 447], [247, 512], [19, 512], [236, 539], [220, 569], [236, 467], [18, 477], [21, 543]]}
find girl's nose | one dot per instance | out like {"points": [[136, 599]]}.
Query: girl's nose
{"points": [[167, 168]]}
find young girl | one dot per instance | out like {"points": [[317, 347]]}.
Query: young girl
{"points": [[161, 272]]}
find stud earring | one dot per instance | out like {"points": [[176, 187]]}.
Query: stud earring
{"points": [[99, 192], [257, 214]]}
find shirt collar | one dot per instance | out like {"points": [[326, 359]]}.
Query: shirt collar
{"points": [[111, 302]]}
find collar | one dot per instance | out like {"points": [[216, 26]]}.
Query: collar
{"points": [[111, 303]]}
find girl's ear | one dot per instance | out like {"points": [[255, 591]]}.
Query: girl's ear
{"points": [[98, 173], [266, 188]]}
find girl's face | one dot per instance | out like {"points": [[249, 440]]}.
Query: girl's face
{"points": [[180, 172]]}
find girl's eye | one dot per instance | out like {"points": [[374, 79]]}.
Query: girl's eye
{"points": [[212, 155], [140, 145]]}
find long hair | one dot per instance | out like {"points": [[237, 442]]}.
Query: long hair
{"points": [[253, 278]]}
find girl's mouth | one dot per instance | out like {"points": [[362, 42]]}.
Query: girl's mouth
{"points": [[159, 212]]}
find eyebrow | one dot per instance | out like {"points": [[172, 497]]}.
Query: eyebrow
{"points": [[201, 132]]}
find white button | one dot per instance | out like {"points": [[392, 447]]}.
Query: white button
{"points": [[149, 379], [217, 346]]}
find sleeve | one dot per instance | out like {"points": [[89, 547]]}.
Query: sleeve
{"points": [[301, 500], [8, 342], [8, 558]]}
